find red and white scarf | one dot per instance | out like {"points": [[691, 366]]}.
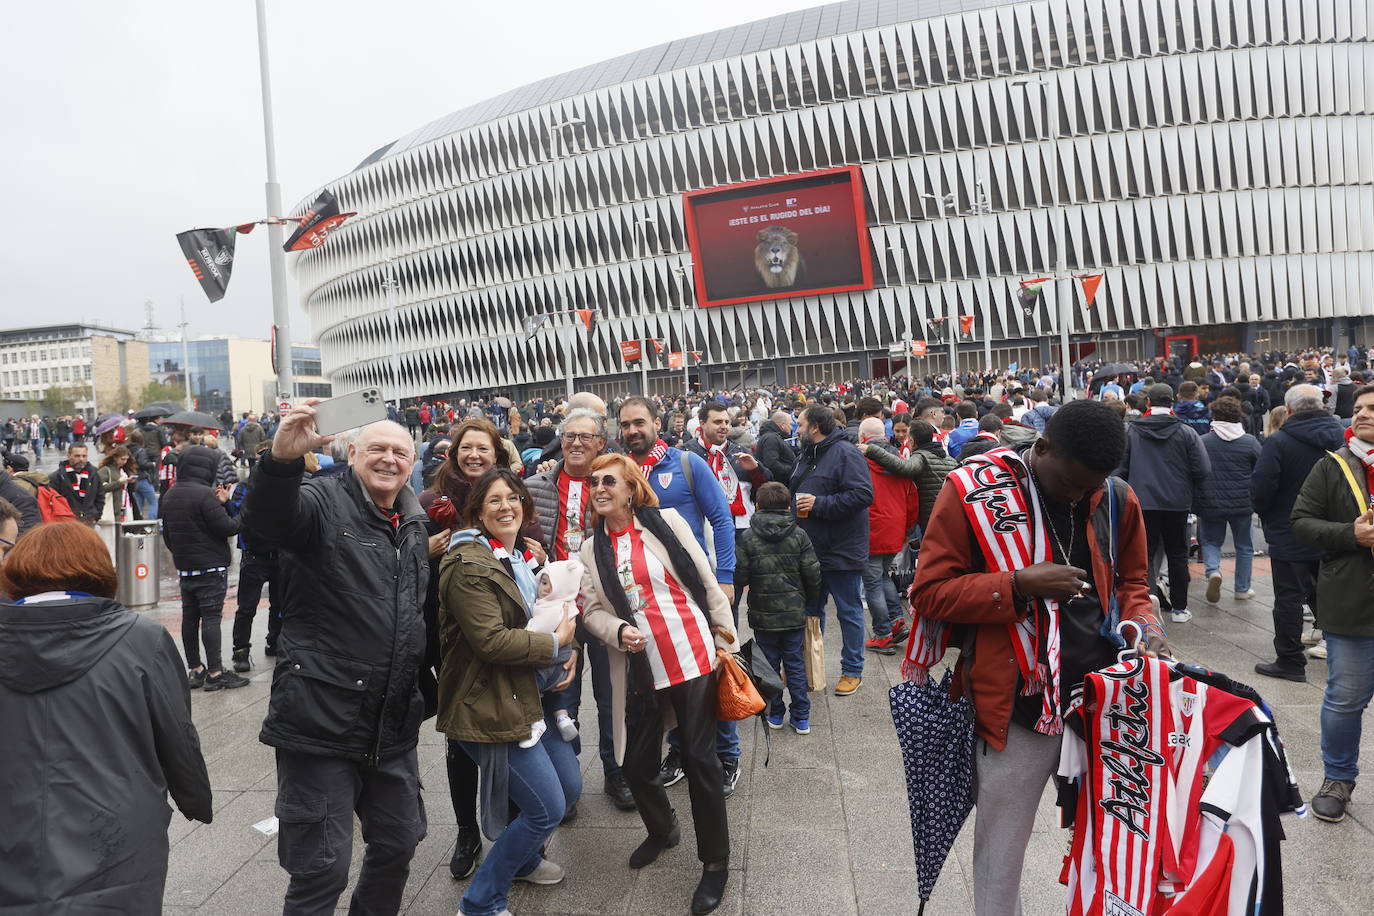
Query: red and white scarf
{"points": [[720, 466], [80, 479], [654, 457], [1004, 512]]}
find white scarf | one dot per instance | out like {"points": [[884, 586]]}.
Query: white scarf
{"points": [[1362, 450], [1157, 411], [1227, 432]]}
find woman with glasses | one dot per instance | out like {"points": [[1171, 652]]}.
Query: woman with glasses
{"points": [[650, 595], [475, 449], [96, 718], [10, 517], [489, 695]]}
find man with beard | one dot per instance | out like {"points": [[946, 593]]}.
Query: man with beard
{"points": [[685, 482], [76, 480], [562, 499]]}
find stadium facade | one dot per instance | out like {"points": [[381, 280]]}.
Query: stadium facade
{"points": [[1214, 160]]}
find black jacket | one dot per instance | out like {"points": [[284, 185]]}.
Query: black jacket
{"points": [[195, 524], [775, 452], [351, 648], [21, 499], [835, 472], [1324, 516], [1226, 492], [774, 559], [96, 716], [81, 489], [1285, 460], [1164, 462]]}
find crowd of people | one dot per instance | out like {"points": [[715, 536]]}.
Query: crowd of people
{"points": [[466, 563]]}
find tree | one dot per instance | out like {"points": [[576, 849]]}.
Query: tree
{"points": [[60, 400], [162, 391]]}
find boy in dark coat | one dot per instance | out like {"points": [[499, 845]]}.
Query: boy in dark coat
{"points": [[776, 561]]}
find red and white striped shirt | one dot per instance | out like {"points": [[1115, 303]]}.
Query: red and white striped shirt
{"points": [[680, 647]]}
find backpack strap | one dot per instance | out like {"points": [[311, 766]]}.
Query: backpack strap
{"points": [[1360, 500]]}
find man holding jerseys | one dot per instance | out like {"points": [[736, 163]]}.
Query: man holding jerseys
{"points": [[563, 500]]}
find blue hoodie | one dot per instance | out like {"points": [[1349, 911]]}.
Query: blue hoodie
{"points": [[1196, 415], [966, 430]]}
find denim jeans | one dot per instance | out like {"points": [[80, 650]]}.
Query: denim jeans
{"points": [[1349, 686], [884, 607], [593, 654], [1211, 533], [846, 587], [783, 649], [146, 498], [544, 781]]}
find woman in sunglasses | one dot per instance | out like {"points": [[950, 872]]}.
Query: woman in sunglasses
{"points": [[650, 594], [488, 693]]}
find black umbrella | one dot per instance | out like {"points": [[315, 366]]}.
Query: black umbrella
{"points": [[1113, 369], [936, 737], [193, 418], [152, 412]]}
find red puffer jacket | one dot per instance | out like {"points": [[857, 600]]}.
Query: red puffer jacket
{"points": [[895, 511]]}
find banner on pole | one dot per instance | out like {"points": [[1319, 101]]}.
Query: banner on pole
{"points": [[631, 351], [210, 252], [918, 348], [966, 325], [314, 227], [674, 360]]}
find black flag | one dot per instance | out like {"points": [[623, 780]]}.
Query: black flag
{"points": [[210, 252], [314, 227]]}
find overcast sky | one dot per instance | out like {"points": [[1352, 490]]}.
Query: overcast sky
{"points": [[126, 123]]}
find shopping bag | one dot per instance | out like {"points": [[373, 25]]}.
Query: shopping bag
{"points": [[813, 651]]}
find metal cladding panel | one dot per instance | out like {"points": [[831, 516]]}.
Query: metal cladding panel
{"points": [[1213, 174]]}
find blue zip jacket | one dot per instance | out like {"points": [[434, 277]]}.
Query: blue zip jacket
{"points": [[703, 501], [966, 430]]}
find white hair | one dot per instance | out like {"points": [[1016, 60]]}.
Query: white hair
{"points": [[1303, 397]]}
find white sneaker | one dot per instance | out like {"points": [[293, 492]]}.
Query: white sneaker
{"points": [[1317, 651], [536, 732], [545, 872], [1154, 603], [1213, 588], [567, 728], [1312, 637], [1182, 616], [1245, 595]]}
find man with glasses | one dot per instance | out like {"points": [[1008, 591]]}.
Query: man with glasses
{"points": [[562, 498]]}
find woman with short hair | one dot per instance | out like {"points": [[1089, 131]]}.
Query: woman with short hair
{"points": [[489, 695], [649, 594], [96, 715]]}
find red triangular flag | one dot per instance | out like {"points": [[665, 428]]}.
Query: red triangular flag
{"points": [[586, 315], [658, 345], [965, 324], [696, 355], [1090, 284], [244, 228], [1035, 281]]}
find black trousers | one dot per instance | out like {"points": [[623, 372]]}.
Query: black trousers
{"points": [[255, 571], [1166, 532], [694, 703], [462, 784], [202, 608], [1295, 584], [316, 800]]}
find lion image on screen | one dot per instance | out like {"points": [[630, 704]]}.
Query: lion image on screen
{"points": [[777, 257]]}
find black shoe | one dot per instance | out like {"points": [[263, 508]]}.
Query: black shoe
{"points": [[466, 851], [195, 678], [652, 847], [619, 791], [1330, 802], [225, 680], [1274, 669], [241, 661], [731, 767], [270, 649], [710, 889], [570, 814], [670, 774]]}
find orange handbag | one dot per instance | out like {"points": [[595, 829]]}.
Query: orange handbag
{"points": [[736, 696]]}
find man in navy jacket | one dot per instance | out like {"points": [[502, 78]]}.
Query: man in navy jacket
{"points": [[833, 491]]}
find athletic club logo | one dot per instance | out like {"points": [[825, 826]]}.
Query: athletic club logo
{"points": [[991, 485], [665, 479], [1128, 756]]}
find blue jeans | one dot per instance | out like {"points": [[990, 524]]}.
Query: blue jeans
{"points": [[1211, 532], [846, 587], [544, 781], [783, 649], [884, 607], [145, 496], [1349, 687]]}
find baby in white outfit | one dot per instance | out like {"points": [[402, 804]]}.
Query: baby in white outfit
{"points": [[559, 583]]}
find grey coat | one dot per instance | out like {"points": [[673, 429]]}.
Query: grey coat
{"points": [[96, 716]]}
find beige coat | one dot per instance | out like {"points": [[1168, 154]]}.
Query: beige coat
{"points": [[600, 619]]}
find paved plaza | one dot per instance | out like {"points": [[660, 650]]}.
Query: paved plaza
{"points": [[822, 829]]}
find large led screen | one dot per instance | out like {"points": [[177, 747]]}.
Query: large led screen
{"points": [[792, 236]]}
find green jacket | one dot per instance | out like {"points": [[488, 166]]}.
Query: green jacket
{"points": [[775, 559], [1324, 515], [928, 469], [487, 688]]}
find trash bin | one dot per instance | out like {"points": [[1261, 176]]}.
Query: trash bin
{"points": [[137, 548]]}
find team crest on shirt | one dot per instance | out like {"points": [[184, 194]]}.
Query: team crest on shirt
{"points": [[1112, 905], [665, 479]]}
